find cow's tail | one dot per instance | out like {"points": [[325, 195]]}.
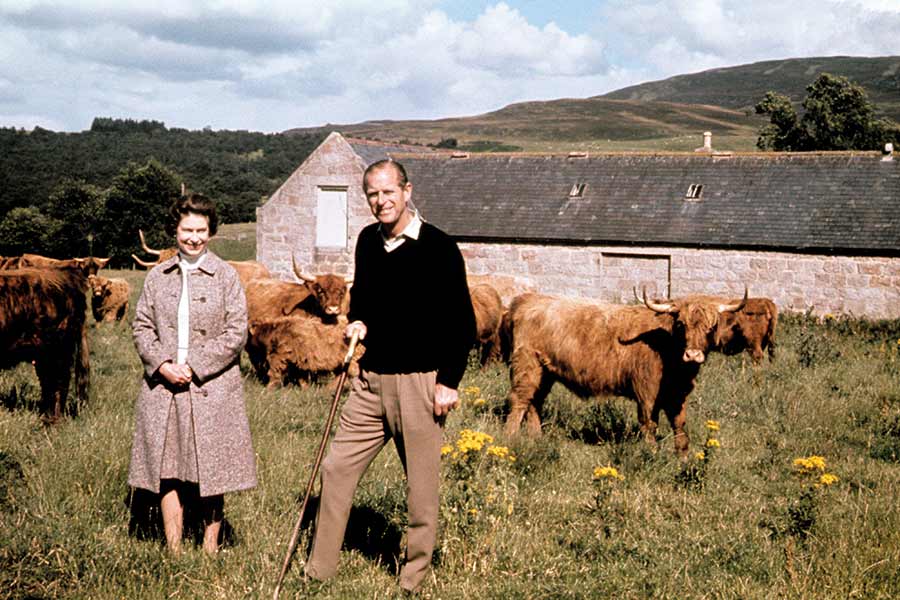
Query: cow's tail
{"points": [[82, 366], [773, 323], [506, 337]]}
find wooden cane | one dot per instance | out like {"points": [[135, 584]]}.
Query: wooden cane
{"points": [[295, 537]]}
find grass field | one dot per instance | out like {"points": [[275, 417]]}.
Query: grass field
{"points": [[744, 522]]}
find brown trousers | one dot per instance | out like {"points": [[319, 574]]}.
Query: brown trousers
{"points": [[381, 407]]}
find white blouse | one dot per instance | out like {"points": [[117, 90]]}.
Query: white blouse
{"points": [[186, 265]]}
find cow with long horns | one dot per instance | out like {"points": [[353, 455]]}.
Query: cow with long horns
{"points": [[321, 296], [651, 354]]}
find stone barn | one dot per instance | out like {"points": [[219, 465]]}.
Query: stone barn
{"points": [[816, 231]]}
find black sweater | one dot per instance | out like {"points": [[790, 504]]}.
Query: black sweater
{"points": [[415, 304]]}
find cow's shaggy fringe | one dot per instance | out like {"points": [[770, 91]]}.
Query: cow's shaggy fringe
{"points": [[64, 523]]}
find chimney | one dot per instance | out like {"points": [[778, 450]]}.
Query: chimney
{"points": [[707, 143], [887, 155]]}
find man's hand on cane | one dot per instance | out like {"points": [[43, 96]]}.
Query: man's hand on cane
{"points": [[355, 326]]}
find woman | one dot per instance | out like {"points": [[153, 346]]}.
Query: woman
{"points": [[191, 431]]}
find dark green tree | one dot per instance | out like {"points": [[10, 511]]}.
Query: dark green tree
{"points": [[26, 230], [784, 131], [139, 198], [78, 209], [837, 115]]}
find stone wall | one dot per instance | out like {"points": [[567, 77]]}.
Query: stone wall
{"points": [[860, 286], [286, 223]]}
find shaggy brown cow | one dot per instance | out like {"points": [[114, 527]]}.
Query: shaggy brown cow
{"points": [[488, 312], [297, 348], [109, 298], [650, 353], [321, 296], [248, 270], [42, 320], [87, 266], [752, 329]]}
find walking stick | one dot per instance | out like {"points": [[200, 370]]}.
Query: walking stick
{"points": [[295, 537]]}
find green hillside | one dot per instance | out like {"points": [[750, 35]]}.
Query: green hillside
{"points": [[570, 124], [743, 86], [663, 115]]}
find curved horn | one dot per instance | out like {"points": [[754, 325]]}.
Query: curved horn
{"points": [[144, 245], [146, 265], [734, 306], [655, 307], [300, 273]]}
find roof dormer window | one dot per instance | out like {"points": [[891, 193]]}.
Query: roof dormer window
{"points": [[695, 190], [577, 190]]}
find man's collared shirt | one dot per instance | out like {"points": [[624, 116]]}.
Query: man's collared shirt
{"points": [[410, 231]]}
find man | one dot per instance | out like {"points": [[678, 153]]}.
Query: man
{"points": [[411, 304]]}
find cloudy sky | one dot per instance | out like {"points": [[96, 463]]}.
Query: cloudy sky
{"points": [[276, 64]]}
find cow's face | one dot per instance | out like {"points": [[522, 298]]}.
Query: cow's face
{"points": [[91, 265], [329, 291], [97, 285], [696, 323]]}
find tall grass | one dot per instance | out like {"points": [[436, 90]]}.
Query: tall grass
{"points": [[543, 527]]}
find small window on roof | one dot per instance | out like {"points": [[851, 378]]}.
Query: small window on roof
{"points": [[577, 190], [694, 191]]}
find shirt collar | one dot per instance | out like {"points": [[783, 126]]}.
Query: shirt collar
{"points": [[411, 231]]}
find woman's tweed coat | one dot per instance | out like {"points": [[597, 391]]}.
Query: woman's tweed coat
{"points": [[218, 330]]}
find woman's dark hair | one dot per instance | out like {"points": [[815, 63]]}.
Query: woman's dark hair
{"points": [[197, 204]]}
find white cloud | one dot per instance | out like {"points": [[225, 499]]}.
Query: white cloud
{"points": [[270, 66], [678, 36], [501, 40]]}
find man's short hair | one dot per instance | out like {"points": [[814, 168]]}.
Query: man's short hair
{"points": [[402, 177], [192, 203]]}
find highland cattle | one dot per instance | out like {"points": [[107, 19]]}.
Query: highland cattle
{"points": [[651, 354]]}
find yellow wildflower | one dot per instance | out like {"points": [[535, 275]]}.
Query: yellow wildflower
{"points": [[827, 479], [810, 463], [607, 473], [713, 443], [700, 455], [472, 441], [498, 451], [446, 449], [478, 402], [712, 425], [473, 511]]}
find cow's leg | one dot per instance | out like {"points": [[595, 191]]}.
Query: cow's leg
{"points": [[756, 353], [676, 411], [53, 376], [490, 352], [533, 414], [525, 375], [647, 410]]}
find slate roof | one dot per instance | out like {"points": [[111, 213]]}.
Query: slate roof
{"points": [[812, 202], [372, 151]]}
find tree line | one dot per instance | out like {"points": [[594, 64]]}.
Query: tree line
{"points": [[74, 194], [837, 115]]}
